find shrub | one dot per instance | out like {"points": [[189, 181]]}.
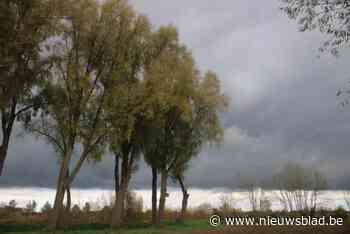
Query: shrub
{"points": [[340, 212], [133, 207], [46, 208]]}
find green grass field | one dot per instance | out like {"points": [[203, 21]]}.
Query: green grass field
{"points": [[190, 227], [166, 228]]}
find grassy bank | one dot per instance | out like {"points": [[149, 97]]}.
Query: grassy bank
{"points": [[139, 228], [190, 227]]}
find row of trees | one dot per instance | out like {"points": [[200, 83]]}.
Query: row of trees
{"points": [[92, 78]]}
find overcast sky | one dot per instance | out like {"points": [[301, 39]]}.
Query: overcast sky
{"points": [[283, 100]]}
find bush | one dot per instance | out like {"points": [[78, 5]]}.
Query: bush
{"points": [[46, 208], [133, 207], [104, 215], [340, 212]]}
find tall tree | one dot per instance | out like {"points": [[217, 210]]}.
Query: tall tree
{"points": [[129, 109], [174, 83], [90, 54], [169, 81], [164, 39], [25, 25], [126, 114], [203, 127]]}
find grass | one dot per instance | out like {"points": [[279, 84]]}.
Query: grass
{"points": [[171, 227], [139, 228], [189, 227]]}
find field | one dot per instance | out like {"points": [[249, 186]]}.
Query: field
{"points": [[168, 227], [191, 227]]}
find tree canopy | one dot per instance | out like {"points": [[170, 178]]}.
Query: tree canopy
{"points": [[329, 17]]}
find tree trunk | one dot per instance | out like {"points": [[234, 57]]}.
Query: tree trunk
{"points": [[116, 177], [3, 149], [7, 121], [69, 199], [69, 203], [67, 218], [54, 221], [154, 196], [163, 194], [117, 214], [3, 153], [185, 196]]}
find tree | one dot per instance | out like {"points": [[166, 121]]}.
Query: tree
{"points": [[31, 206], [265, 203], [329, 17], [227, 203], [187, 107], [169, 80], [257, 197], [188, 144], [125, 111], [46, 208], [87, 207], [319, 184], [255, 193], [25, 26], [129, 109], [90, 55], [299, 187], [76, 210], [165, 39], [133, 206], [13, 203], [203, 127]]}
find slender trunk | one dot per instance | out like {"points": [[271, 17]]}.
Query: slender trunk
{"points": [[129, 172], [185, 196], [69, 203], [3, 150], [67, 219], [163, 194], [117, 214], [54, 221], [7, 121], [154, 196], [3, 153], [69, 199], [116, 177]]}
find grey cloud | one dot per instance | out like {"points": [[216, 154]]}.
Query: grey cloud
{"points": [[284, 106]]}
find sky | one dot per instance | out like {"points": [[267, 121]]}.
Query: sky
{"points": [[283, 105]]}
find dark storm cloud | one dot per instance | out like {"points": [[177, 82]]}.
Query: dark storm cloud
{"points": [[283, 100]]}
